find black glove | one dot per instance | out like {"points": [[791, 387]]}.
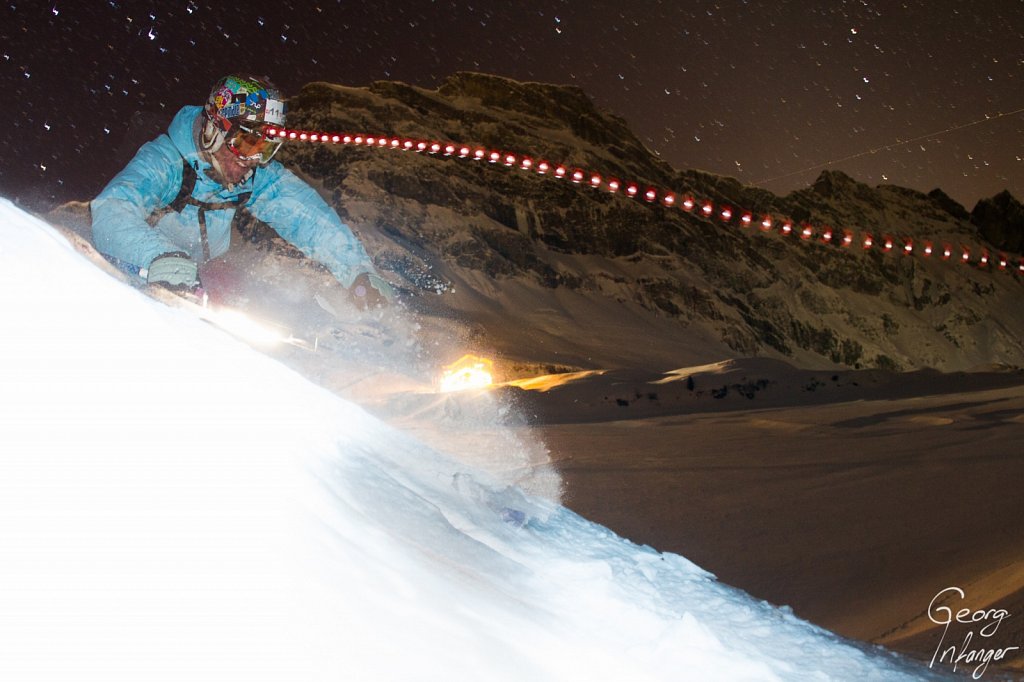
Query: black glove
{"points": [[175, 271], [370, 291]]}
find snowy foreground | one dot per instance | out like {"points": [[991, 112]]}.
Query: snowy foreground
{"points": [[176, 506]]}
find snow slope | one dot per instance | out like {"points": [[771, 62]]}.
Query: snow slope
{"points": [[174, 505]]}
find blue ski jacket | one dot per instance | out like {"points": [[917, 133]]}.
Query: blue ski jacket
{"points": [[122, 212]]}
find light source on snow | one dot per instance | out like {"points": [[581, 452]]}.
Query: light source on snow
{"points": [[246, 328], [469, 371]]}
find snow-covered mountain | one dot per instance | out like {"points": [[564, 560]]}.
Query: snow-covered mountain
{"points": [[175, 505], [544, 270]]}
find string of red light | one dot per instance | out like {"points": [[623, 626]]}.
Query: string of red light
{"points": [[708, 209]]}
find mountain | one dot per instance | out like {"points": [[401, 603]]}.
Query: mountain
{"points": [[640, 283]]}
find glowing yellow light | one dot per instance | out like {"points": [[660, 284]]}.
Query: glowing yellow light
{"points": [[469, 371], [244, 327]]}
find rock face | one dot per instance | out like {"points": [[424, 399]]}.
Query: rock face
{"points": [[542, 269], [1001, 221]]}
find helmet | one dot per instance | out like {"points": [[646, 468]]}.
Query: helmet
{"points": [[239, 112]]}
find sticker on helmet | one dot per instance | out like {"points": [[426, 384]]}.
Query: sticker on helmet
{"points": [[255, 100], [274, 112], [231, 111], [222, 97]]}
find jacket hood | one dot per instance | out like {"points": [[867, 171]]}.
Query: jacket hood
{"points": [[181, 133]]}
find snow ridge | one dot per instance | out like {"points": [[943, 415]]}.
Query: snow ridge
{"points": [[174, 505]]}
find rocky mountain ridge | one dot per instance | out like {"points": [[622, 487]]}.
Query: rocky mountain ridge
{"points": [[708, 290], [539, 269]]}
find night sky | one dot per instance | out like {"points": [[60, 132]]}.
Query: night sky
{"points": [[919, 93]]}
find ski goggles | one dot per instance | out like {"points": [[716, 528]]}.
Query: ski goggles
{"points": [[251, 143]]}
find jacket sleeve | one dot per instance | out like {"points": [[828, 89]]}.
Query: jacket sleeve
{"points": [[150, 180], [296, 212]]}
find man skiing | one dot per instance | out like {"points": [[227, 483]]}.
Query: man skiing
{"points": [[172, 206]]}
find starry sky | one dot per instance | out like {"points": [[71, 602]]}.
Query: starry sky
{"points": [[916, 93]]}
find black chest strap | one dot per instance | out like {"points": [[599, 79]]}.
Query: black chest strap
{"points": [[185, 198]]}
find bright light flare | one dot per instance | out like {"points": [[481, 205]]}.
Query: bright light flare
{"points": [[469, 371], [247, 329]]}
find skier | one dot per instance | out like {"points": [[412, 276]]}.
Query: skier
{"points": [[172, 206]]}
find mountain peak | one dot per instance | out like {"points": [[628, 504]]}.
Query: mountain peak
{"points": [[505, 93], [834, 183], [1000, 220]]}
